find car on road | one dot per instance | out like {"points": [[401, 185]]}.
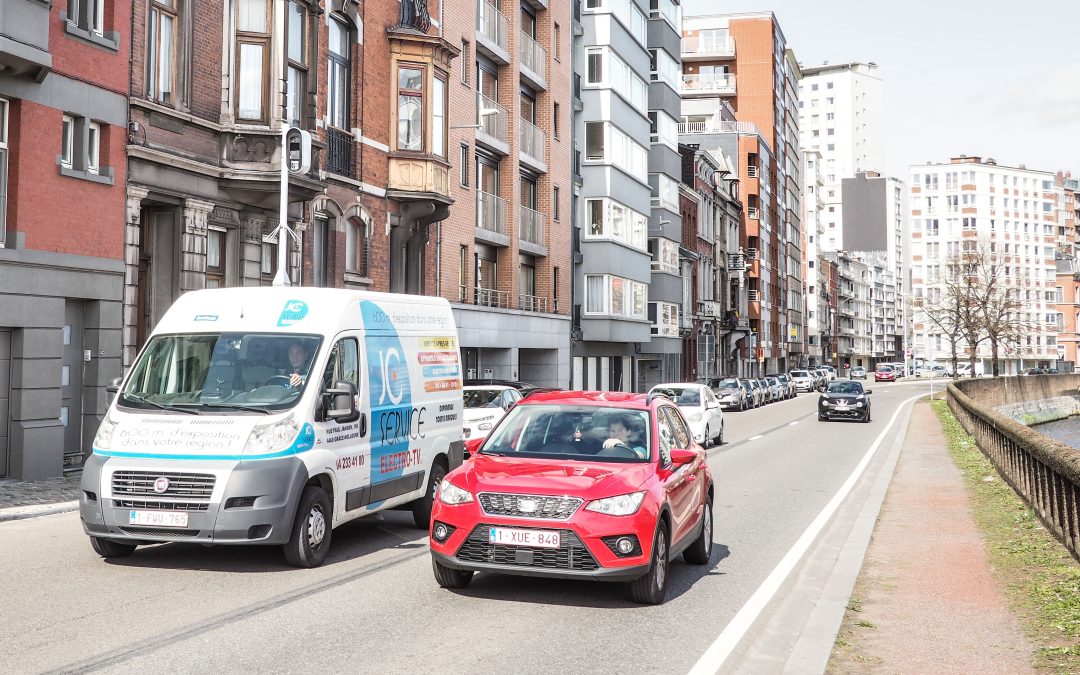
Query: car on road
{"points": [[804, 380], [858, 373], [730, 393], [933, 371], [884, 374], [844, 399], [485, 405], [578, 485], [699, 407]]}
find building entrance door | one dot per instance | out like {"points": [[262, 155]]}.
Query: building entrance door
{"points": [[71, 377], [5, 387]]}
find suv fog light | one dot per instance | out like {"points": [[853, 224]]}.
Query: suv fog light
{"points": [[441, 532], [624, 545]]}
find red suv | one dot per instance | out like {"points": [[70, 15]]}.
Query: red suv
{"points": [[600, 485]]}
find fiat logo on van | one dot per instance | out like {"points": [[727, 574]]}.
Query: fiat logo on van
{"points": [[161, 485]]}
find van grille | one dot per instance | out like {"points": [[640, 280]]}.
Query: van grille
{"points": [[160, 506], [141, 484], [159, 532]]}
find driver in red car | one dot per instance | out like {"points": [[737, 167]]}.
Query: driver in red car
{"points": [[619, 434]]}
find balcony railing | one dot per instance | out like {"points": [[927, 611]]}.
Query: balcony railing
{"points": [[532, 303], [491, 212], [533, 226], [713, 127], [708, 83], [533, 56], [493, 118], [736, 263], [339, 152], [533, 140], [708, 43], [753, 296], [493, 24], [491, 297], [752, 171], [753, 213], [752, 254]]}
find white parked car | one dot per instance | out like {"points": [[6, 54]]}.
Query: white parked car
{"points": [[933, 371], [485, 405], [803, 380], [700, 407]]}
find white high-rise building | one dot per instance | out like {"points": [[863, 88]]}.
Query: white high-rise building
{"points": [[969, 205], [841, 115]]}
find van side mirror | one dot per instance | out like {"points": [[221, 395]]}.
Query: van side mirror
{"points": [[113, 387], [342, 403]]}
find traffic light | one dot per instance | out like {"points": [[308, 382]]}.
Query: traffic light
{"points": [[298, 150]]}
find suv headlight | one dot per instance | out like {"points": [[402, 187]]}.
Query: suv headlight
{"points": [[272, 437], [452, 494], [103, 439], [622, 505]]}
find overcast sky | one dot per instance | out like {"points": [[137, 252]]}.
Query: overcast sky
{"points": [[992, 78]]}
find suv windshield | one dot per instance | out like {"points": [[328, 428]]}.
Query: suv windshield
{"points": [[483, 398], [844, 388], [216, 371], [583, 433]]}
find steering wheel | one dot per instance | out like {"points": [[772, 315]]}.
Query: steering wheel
{"points": [[620, 449], [285, 378]]}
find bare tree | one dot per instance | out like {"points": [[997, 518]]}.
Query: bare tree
{"points": [[944, 312]]}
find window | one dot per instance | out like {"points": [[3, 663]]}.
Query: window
{"points": [[162, 51], [594, 73], [607, 143], [665, 191], [410, 109], [605, 69], [557, 39], [665, 319], [608, 219], [215, 258], [89, 16], [663, 129], [615, 296], [67, 141], [252, 59], [669, 11], [297, 54], [555, 288], [339, 68], [663, 68], [665, 255], [268, 266], [438, 117], [320, 249], [357, 246], [555, 199], [93, 148], [463, 165], [555, 116], [466, 62], [594, 140]]}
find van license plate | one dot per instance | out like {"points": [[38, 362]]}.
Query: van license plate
{"points": [[158, 518], [537, 538]]}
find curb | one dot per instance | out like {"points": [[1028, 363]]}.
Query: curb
{"points": [[24, 512]]}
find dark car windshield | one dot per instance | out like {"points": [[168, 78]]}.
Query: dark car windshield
{"points": [[844, 388], [572, 432]]}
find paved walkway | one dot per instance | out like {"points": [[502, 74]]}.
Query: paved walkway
{"points": [[926, 592], [25, 499]]}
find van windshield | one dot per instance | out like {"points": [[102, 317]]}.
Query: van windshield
{"points": [[253, 372]]}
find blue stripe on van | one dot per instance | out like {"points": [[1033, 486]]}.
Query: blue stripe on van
{"points": [[305, 441]]}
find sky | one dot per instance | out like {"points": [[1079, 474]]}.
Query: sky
{"points": [[991, 79]]}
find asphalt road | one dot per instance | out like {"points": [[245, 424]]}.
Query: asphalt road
{"points": [[374, 606]]}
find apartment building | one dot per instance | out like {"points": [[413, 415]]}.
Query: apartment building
{"points": [[1067, 306], [974, 205], [628, 326], [841, 115], [1068, 211], [740, 96], [63, 127], [814, 271]]}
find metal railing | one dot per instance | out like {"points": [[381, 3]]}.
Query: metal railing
{"points": [[753, 296], [753, 213], [339, 152], [491, 297], [493, 24], [1041, 470], [713, 127], [491, 212], [533, 140], [708, 83], [709, 43], [533, 56], [532, 303], [533, 226], [494, 124]]}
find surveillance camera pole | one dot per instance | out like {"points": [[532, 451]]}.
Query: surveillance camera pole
{"points": [[283, 231]]}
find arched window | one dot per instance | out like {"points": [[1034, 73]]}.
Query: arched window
{"points": [[358, 231]]}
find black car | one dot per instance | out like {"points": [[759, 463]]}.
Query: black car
{"points": [[844, 399]]}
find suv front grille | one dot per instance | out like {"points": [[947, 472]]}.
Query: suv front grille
{"points": [[571, 554], [141, 484], [528, 506]]}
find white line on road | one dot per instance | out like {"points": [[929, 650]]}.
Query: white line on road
{"points": [[725, 643], [791, 424], [754, 438]]}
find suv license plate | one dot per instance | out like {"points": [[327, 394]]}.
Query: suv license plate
{"points": [[537, 538], [158, 518]]}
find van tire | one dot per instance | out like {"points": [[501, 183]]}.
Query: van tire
{"points": [[311, 530], [111, 549], [448, 577], [421, 508]]}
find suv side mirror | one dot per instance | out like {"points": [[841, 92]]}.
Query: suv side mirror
{"points": [[868, 392], [680, 457], [342, 408]]}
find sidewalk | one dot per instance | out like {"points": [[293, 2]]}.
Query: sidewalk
{"points": [[926, 600], [26, 499]]}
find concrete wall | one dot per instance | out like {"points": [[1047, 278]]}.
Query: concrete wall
{"points": [[1000, 391]]}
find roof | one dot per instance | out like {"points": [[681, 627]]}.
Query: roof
{"points": [[598, 398]]}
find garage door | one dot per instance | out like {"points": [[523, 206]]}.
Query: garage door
{"points": [[5, 388]]}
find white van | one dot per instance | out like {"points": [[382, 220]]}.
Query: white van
{"points": [[273, 415]]}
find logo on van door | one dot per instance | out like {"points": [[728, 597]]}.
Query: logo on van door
{"points": [[294, 312]]}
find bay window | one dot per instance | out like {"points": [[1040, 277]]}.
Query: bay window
{"points": [[606, 143], [606, 69], [608, 219], [252, 59], [663, 68], [664, 129], [161, 74], [338, 69], [609, 295], [665, 255], [665, 191], [665, 319], [410, 108]]}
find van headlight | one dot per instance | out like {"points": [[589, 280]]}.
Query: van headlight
{"points": [[103, 439], [621, 505], [272, 437]]}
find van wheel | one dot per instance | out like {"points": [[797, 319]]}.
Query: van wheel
{"points": [[111, 549], [421, 508], [448, 577], [311, 530], [651, 588]]}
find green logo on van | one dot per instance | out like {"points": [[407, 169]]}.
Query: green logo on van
{"points": [[294, 312]]}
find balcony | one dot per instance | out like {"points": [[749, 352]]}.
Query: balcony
{"points": [[707, 46], [492, 32], [494, 125], [710, 84], [491, 218], [736, 263], [339, 153], [533, 61], [532, 229], [24, 38], [753, 296], [713, 127], [533, 145], [532, 303], [491, 297]]}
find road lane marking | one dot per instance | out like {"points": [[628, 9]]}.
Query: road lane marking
{"points": [[754, 438], [718, 652], [791, 424]]}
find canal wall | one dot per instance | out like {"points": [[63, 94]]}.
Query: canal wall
{"points": [[1028, 399]]}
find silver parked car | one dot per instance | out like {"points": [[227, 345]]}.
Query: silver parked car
{"points": [[777, 390], [730, 393]]}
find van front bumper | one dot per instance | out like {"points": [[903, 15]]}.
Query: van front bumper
{"points": [[256, 506]]}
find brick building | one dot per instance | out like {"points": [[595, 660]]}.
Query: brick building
{"points": [[63, 116]]}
